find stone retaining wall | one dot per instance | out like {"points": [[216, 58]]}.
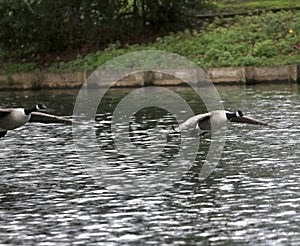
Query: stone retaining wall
{"points": [[221, 75]]}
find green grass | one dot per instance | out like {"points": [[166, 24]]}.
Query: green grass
{"points": [[267, 39], [234, 5], [271, 38], [18, 67]]}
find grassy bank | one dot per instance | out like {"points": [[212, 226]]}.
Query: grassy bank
{"points": [[242, 5], [249, 5], [266, 39]]}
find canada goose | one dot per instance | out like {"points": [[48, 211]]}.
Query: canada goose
{"points": [[204, 123], [13, 118]]}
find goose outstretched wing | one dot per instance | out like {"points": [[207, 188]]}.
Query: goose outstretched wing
{"points": [[191, 122], [249, 120], [4, 111], [48, 118]]}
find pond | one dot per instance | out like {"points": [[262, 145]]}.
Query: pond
{"points": [[51, 195]]}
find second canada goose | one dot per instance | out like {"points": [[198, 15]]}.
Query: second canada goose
{"points": [[12, 118], [204, 123]]}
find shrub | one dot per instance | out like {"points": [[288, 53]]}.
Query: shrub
{"points": [[239, 41], [265, 48]]}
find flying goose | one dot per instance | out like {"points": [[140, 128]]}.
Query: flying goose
{"points": [[12, 118], [204, 123]]}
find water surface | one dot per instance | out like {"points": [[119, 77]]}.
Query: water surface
{"points": [[47, 196]]}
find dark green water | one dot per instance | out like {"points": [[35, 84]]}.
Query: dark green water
{"points": [[49, 197]]}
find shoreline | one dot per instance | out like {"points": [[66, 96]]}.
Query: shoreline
{"points": [[218, 75]]}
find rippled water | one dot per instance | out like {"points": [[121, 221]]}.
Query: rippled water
{"points": [[49, 197]]}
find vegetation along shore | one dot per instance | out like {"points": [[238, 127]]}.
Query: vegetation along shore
{"points": [[264, 39]]}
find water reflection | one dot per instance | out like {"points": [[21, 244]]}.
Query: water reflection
{"points": [[48, 198]]}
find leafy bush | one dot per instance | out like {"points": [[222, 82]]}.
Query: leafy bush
{"points": [[249, 60], [251, 40], [273, 28], [47, 26], [270, 38], [265, 48]]}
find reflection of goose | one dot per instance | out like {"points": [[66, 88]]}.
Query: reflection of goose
{"points": [[204, 123], [13, 118]]}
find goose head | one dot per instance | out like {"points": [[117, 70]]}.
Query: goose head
{"points": [[37, 107], [239, 113], [230, 115]]}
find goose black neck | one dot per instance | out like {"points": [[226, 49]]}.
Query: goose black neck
{"points": [[229, 116], [28, 111]]}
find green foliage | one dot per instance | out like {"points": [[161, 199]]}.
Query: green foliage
{"points": [[265, 48], [273, 27], [250, 40], [10, 80], [47, 26], [270, 38], [295, 25], [241, 5], [18, 67]]}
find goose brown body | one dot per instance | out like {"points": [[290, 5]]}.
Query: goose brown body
{"points": [[16, 117]]}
